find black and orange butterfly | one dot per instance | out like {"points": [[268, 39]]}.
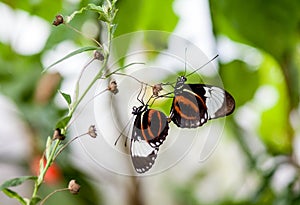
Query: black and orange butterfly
{"points": [[150, 130], [195, 104]]}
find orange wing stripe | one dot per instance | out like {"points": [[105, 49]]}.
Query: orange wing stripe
{"points": [[192, 105], [151, 113]]}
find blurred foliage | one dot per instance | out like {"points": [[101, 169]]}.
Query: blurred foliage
{"points": [[140, 15], [272, 27], [20, 78]]}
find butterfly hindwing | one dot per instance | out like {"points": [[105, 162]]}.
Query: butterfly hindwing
{"points": [[149, 132], [218, 101]]}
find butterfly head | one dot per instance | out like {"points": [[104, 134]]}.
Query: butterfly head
{"points": [[138, 110], [181, 79], [179, 84]]}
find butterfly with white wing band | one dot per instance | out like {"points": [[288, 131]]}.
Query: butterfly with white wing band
{"points": [[150, 130], [195, 104]]}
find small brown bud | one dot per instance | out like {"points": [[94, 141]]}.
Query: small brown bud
{"points": [[73, 187], [113, 87], [57, 135], [92, 131], [98, 55], [59, 19], [156, 89]]}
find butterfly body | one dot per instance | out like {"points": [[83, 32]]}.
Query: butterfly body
{"points": [[149, 132], [194, 104]]}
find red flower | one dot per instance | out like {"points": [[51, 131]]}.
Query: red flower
{"points": [[53, 174]]}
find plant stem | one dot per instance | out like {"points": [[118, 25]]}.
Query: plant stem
{"points": [[41, 176], [99, 74], [54, 150], [49, 195], [65, 145]]}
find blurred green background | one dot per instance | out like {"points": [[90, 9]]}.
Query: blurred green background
{"points": [[258, 43]]}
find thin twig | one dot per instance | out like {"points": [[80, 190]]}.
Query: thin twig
{"points": [[49, 195], [65, 145]]}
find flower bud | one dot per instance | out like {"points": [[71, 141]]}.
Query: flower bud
{"points": [[59, 19], [113, 87], [98, 55], [92, 131], [57, 135], [73, 187]]}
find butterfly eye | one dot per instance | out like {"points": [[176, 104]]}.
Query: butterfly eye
{"points": [[134, 110], [181, 79]]}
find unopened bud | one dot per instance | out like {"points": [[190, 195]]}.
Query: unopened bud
{"points": [[113, 87], [98, 55], [73, 187], [59, 19], [57, 135], [92, 131]]}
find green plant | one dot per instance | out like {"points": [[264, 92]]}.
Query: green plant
{"points": [[55, 144]]}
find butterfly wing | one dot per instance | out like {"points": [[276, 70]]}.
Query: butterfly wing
{"points": [[218, 101], [149, 132], [195, 104]]}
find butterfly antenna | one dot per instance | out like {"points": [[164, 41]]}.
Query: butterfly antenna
{"points": [[202, 66], [185, 51]]}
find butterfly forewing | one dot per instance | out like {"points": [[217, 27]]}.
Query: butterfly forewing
{"points": [[194, 104], [149, 132], [188, 108]]}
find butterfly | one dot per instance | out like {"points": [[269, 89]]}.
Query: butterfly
{"points": [[150, 130], [195, 104]]}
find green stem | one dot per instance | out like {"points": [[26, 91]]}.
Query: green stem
{"points": [[49, 195], [74, 106], [41, 176], [99, 74], [65, 145], [79, 78]]}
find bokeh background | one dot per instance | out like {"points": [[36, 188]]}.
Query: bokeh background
{"points": [[256, 160]]}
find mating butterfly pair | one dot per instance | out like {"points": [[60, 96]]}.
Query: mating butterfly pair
{"points": [[192, 106]]}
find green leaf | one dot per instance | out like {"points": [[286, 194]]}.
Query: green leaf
{"points": [[47, 151], [134, 15], [43, 9], [239, 73], [12, 194], [66, 96], [141, 15], [78, 51], [62, 123], [103, 12], [16, 181], [275, 129], [34, 200], [274, 25]]}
